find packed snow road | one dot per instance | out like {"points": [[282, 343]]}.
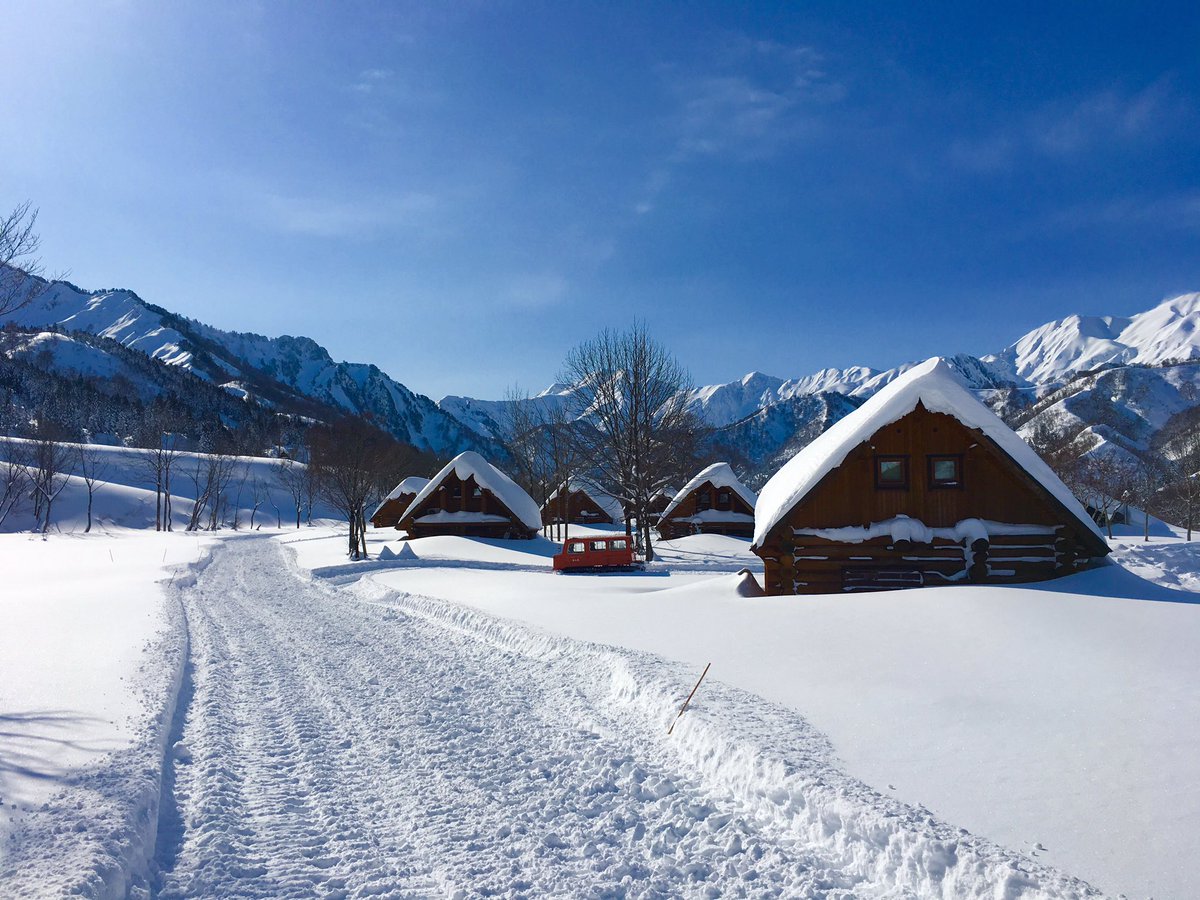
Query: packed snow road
{"points": [[339, 742]]}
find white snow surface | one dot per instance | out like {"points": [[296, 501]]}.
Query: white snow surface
{"points": [[1058, 719], [402, 735], [469, 463], [92, 650], [722, 476], [446, 752], [933, 384]]}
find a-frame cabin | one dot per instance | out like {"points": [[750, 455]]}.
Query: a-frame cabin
{"points": [[471, 497], [921, 485], [714, 502], [387, 514], [581, 503]]}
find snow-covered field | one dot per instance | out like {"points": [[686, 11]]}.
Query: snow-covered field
{"points": [[455, 719], [1058, 719], [91, 657]]}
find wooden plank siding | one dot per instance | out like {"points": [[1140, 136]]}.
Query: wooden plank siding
{"points": [[388, 515], [991, 487]]}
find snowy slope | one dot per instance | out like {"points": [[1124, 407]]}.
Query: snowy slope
{"points": [[293, 373]]}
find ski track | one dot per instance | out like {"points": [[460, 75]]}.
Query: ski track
{"points": [[352, 742]]}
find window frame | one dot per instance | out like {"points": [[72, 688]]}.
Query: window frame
{"points": [[936, 484], [902, 458]]}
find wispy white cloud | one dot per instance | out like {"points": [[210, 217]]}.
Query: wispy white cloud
{"points": [[762, 96], [340, 217], [751, 100], [1064, 130], [1176, 211], [536, 290]]}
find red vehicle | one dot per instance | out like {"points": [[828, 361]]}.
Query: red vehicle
{"points": [[595, 553]]}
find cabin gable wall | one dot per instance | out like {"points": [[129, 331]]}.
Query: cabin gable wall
{"points": [[707, 496], [992, 488]]}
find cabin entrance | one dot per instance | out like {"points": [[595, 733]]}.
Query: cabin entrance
{"points": [[860, 578]]}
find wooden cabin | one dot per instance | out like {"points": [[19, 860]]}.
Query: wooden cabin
{"points": [[582, 503], [473, 498], [387, 514], [658, 504], [714, 502], [922, 485]]}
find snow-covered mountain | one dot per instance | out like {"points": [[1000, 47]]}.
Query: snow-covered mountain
{"points": [[1047, 377], [293, 373], [1057, 351]]}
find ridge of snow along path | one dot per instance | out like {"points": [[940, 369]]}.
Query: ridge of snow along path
{"points": [[359, 741]]}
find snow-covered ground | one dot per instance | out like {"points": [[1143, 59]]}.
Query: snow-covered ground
{"points": [[1057, 719], [455, 718], [91, 656]]}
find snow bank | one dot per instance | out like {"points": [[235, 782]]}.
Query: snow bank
{"points": [[933, 384], [91, 663]]}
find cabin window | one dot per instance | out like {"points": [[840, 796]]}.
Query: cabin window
{"points": [[598, 545], [477, 492], [723, 500], [577, 547], [704, 501], [891, 472], [945, 471], [618, 545]]}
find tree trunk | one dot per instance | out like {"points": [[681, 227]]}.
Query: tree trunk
{"points": [[89, 512]]}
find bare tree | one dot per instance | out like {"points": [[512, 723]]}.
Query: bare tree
{"points": [[1109, 478], [351, 460], [258, 496], [541, 441], [48, 466], [636, 432], [19, 266], [14, 482], [92, 466], [293, 476]]}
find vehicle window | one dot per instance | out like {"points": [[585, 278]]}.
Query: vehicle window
{"points": [[619, 545], [599, 545], [577, 547]]}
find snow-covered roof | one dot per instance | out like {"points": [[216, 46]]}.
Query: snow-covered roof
{"points": [[611, 505], [721, 475], [411, 485], [468, 464], [938, 387]]}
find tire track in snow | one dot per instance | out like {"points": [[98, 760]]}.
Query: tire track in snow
{"points": [[343, 748], [406, 748]]}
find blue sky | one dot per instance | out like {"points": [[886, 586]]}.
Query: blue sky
{"points": [[461, 192]]}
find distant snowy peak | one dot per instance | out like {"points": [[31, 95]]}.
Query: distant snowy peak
{"points": [[285, 372], [1057, 351]]}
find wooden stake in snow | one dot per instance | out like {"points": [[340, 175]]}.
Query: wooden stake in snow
{"points": [[683, 708]]}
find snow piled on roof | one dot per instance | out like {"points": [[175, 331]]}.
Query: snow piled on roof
{"points": [[933, 383], [469, 463], [610, 504], [413, 484], [721, 475]]}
